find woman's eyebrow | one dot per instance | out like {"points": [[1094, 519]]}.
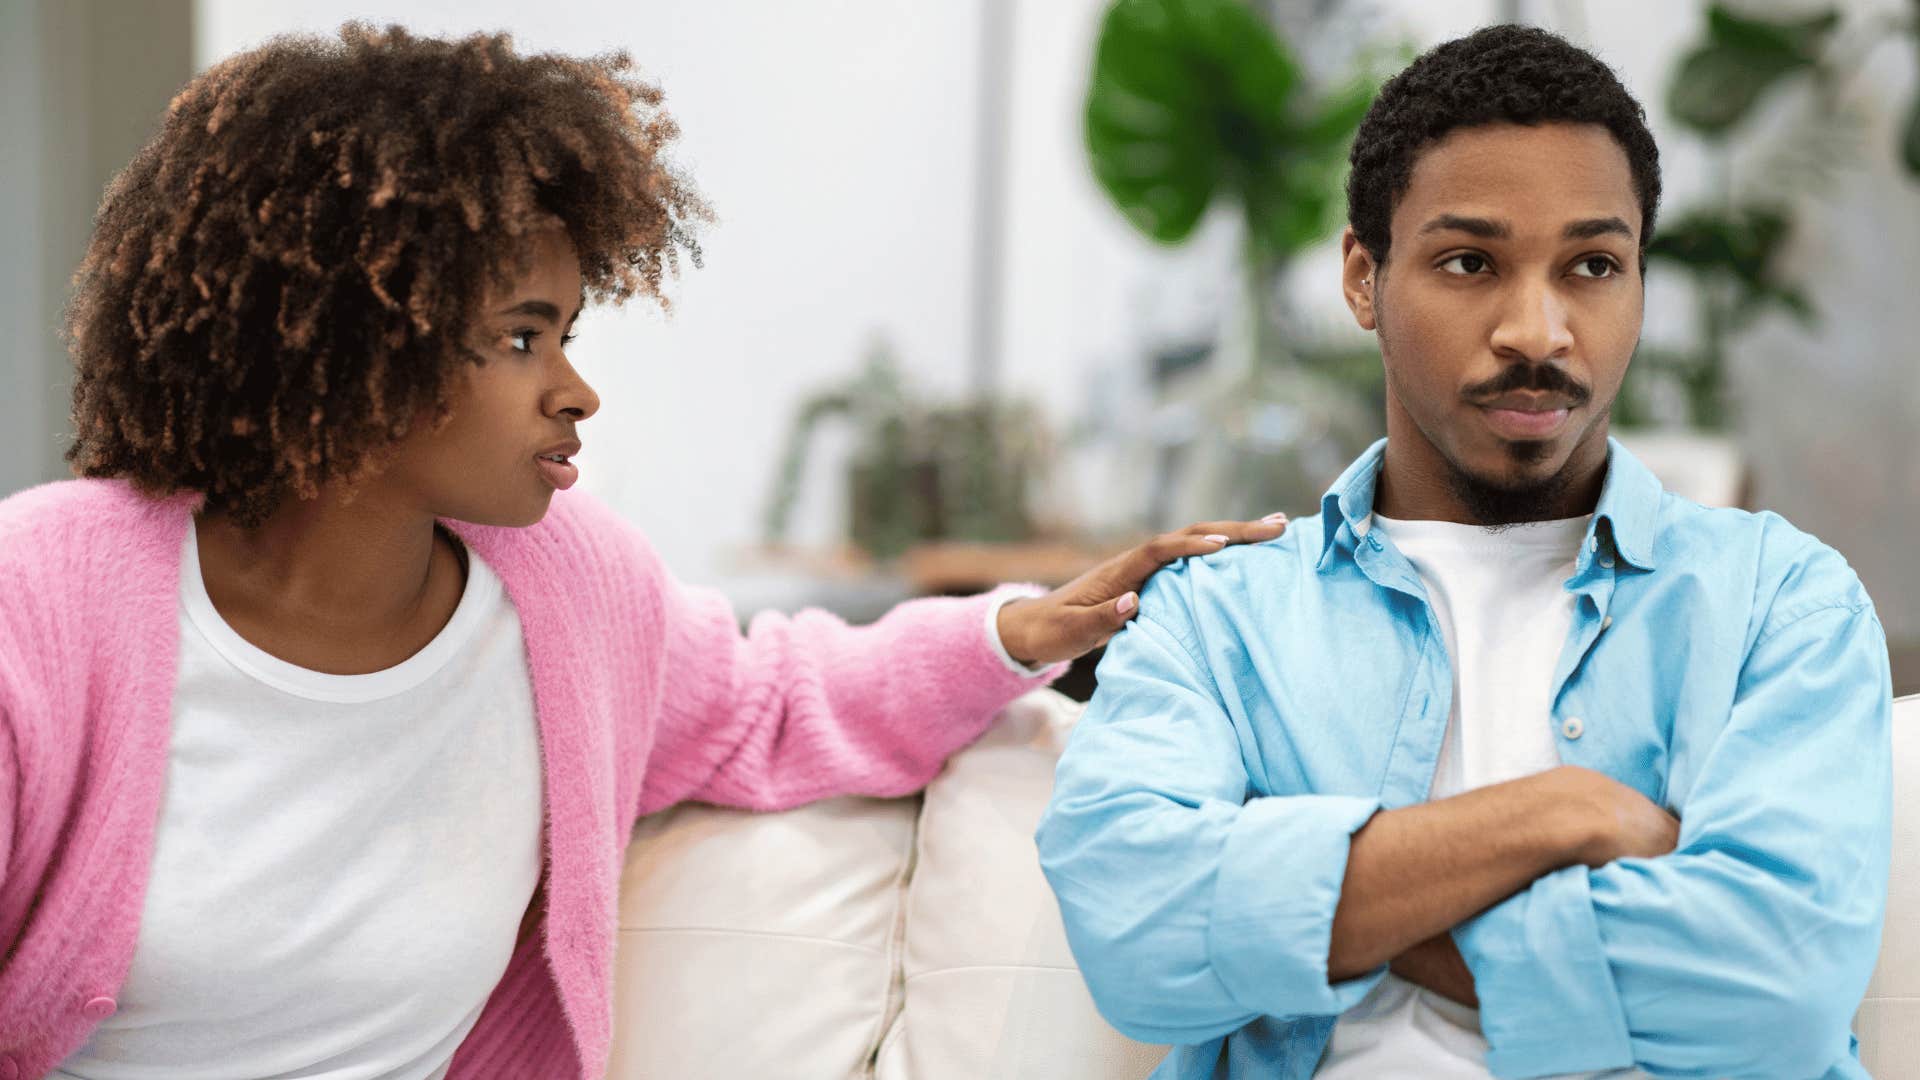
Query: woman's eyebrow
{"points": [[541, 309]]}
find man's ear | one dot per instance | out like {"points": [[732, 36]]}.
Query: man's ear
{"points": [[1359, 278]]}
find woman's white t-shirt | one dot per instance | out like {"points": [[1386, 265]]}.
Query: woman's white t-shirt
{"points": [[342, 862]]}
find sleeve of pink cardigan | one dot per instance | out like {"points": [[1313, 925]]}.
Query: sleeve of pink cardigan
{"points": [[805, 707], [9, 787]]}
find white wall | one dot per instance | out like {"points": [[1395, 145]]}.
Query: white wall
{"points": [[82, 85], [834, 138], [26, 436]]}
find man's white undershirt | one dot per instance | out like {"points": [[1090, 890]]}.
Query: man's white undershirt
{"points": [[1499, 596]]}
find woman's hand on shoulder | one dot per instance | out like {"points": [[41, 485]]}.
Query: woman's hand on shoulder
{"points": [[1081, 615]]}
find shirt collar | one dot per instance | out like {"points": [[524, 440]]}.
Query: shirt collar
{"points": [[1629, 504]]}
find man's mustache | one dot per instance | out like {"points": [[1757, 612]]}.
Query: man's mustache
{"points": [[1536, 378]]}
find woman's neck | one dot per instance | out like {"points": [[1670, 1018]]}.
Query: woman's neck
{"points": [[336, 584]]}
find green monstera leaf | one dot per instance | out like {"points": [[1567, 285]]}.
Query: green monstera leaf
{"points": [[1191, 100], [1742, 246], [1720, 81]]}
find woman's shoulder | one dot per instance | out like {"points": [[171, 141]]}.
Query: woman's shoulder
{"points": [[69, 536], [77, 510]]}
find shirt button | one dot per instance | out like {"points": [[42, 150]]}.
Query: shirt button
{"points": [[1593, 543], [1572, 728], [99, 1008], [1606, 623]]}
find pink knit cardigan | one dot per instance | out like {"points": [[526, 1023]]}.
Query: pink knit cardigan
{"points": [[647, 695]]}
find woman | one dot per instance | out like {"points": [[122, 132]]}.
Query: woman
{"points": [[327, 714]]}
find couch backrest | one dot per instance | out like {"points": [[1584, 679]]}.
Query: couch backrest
{"points": [[1888, 1023], [864, 939]]}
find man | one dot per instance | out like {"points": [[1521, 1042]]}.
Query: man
{"points": [[1508, 762]]}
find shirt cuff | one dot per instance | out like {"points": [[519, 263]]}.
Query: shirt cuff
{"points": [[1270, 933], [1548, 1003], [1002, 597]]}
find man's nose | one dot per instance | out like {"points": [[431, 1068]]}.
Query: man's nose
{"points": [[1533, 323]]}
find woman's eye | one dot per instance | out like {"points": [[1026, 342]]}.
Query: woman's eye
{"points": [[1469, 264], [1596, 266], [523, 340], [567, 339]]}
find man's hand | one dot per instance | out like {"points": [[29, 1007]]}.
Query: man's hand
{"points": [[1436, 964], [1081, 615], [1620, 823]]}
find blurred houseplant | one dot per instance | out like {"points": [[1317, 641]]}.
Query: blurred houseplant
{"points": [[918, 471], [1732, 250], [1193, 101]]}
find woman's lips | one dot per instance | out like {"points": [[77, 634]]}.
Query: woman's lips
{"points": [[561, 474], [1524, 424]]}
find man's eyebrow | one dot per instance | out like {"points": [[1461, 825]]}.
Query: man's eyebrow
{"points": [[1592, 227], [1485, 228]]}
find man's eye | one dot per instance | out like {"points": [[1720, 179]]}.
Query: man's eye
{"points": [[1469, 264], [1596, 266]]}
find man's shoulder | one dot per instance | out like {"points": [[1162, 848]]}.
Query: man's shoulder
{"points": [[1791, 571], [1236, 579]]}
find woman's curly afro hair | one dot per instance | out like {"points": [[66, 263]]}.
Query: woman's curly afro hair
{"points": [[278, 287], [1496, 75]]}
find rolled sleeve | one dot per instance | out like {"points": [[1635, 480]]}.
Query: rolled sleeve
{"points": [[1194, 904], [1270, 936], [1548, 1003]]}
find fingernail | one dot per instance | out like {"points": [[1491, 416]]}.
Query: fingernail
{"points": [[1127, 603], [1216, 538], [1274, 519]]}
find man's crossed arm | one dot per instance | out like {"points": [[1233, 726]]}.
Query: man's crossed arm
{"points": [[1414, 874], [1594, 930]]}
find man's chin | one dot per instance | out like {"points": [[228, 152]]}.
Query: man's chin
{"points": [[1518, 481], [1518, 464]]}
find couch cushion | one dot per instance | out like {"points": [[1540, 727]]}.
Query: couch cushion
{"points": [[1889, 1019], [759, 944], [990, 989]]}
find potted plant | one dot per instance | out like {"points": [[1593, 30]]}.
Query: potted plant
{"points": [[919, 471]]}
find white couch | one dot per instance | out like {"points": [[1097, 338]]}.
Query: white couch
{"points": [[915, 939]]}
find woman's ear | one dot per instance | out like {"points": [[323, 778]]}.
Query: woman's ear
{"points": [[1359, 279]]}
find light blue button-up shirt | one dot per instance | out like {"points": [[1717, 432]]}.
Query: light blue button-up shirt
{"points": [[1269, 699]]}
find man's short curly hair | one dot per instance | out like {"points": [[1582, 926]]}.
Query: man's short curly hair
{"points": [[280, 285], [1499, 74]]}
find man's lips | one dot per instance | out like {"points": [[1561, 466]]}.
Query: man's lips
{"points": [[1526, 416]]}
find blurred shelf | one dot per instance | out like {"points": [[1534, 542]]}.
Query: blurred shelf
{"points": [[952, 568]]}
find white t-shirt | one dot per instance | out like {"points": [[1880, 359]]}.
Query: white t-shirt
{"points": [[1503, 609], [342, 861]]}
